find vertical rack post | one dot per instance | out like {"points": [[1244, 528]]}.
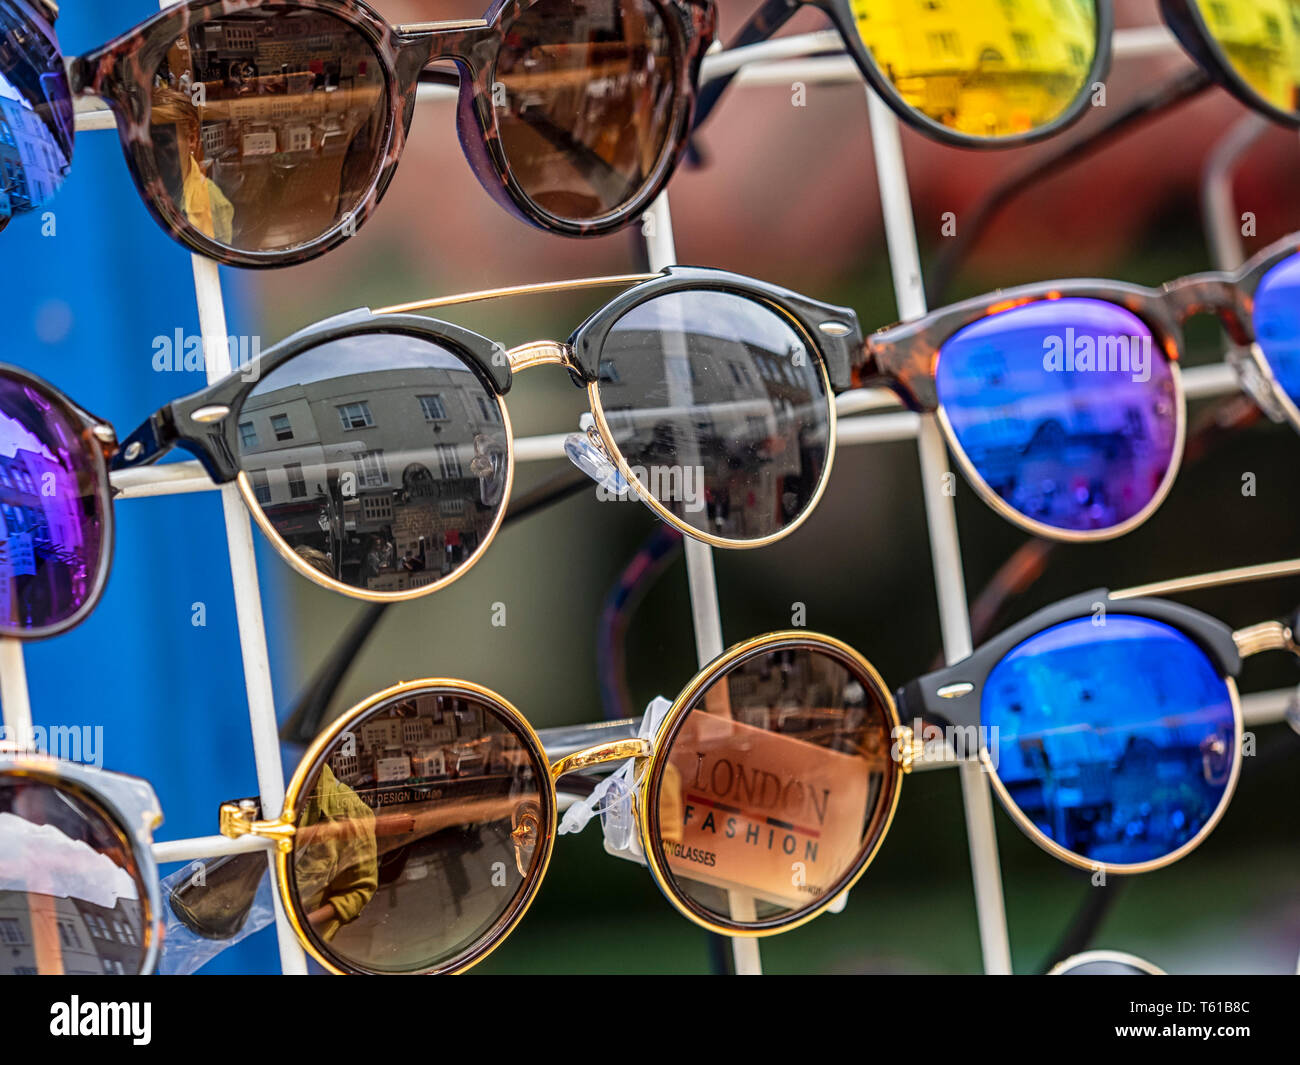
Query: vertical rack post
{"points": [[941, 518], [14, 701], [705, 611]]}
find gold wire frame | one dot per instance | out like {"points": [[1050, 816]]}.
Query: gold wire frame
{"points": [[1052, 532], [684, 703], [283, 828], [571, 285]]}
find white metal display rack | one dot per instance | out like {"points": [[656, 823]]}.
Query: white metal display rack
{"points": [[866, 417]]}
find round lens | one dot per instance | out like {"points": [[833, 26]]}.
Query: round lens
{"points": [[380, 460], [268, 127], [1261, 43], [1105, 963], [72, 900], [1114, 737], [1277, 324], [36, 120], [588, 103], [52, 511], [983, 70], [1066, 410], [721, 409], [422, 834], [777, 784]]}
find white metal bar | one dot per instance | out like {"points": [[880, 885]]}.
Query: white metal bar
{"points": [[905, 263], [14, 698]]}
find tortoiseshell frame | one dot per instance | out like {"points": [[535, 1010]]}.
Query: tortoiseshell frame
{"points": [[1182, 16], [100, 443], [122, 72], [206, 423], [905, 357]]}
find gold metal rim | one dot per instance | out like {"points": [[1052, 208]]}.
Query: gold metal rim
{"points": [[1051, 532], [575, 284], [322, 742], [686, 529], [682, 703], [1240, 575], [314, 575], [1077, 860]]}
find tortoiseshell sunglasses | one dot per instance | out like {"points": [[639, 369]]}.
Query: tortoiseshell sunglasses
{"points": [[264, 133], [1062, 401], [374, 449], [418, 828]]}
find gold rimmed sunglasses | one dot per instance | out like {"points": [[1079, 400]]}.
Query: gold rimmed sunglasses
{"points": [[417, 829], [374, 449]]}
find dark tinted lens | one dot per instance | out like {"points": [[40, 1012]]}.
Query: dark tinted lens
{"points": [[1277, 323], [721, 409], [36, 123], [421, 835], [380, 459], [51, 511], [1066, 409], [779, 781], [269, 127], [1116, 740], [70, 891], [588, 99]]}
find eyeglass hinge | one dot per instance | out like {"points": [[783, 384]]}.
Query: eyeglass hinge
{"points": [[240, 819], [911, 749]]}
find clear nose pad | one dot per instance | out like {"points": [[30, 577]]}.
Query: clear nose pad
{"points": [[587, 453], [525, 827], [1257, 380]]}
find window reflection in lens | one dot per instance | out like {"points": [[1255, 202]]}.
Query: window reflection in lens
{"points": [[588, 101], [1261, 41], [268, 127], [70, 893], [780, 778], [51, 513], [1116, 741], [422, 831], [380, 459], [985, 68], [721, 409]]}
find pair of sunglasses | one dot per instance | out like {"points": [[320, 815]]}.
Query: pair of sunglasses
{"points": [[79, 892], [418, 828], [1062, 401], [980, 75], [264, 134], [1109, 724], [36, 119]]}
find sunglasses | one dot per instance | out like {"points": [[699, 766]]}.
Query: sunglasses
{"points": [[1063, 402], [264, 134], [78, 885], [36, 117], [1109, 724], [375, 450], [1105, 963], [417, 829], [1001, 75]]}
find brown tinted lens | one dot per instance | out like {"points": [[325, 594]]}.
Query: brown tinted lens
{"points": [[720, 408], [421, 834], [71, 895], [588, 100], [381, 460], [778, 782], [268, 127]]}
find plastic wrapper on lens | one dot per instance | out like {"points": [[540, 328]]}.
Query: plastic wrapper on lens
{"points": [[71, 898], [36, 118], [1115, 738], [421, 835], [721, 409], [588, 103], [983, 68], [379, 460], [1066, 410], [778, 783], [52, 519], [1277, 324], [268, 127]]}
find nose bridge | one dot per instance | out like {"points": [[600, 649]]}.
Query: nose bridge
{"points": [[614, 751], [1212, 293], [539, 353]]}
